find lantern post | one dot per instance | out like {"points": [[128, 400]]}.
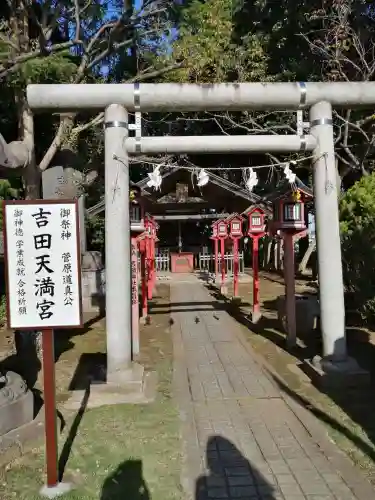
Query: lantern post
{"points": [[148, 249], [136, 228], [289, 218], [214, 237], [154, 229], [256, 230], [135, 296], [235, 232], [142, 243], [222, 233]]}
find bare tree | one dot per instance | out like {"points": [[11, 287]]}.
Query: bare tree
{"points": [[345, 46], [94, 34]]}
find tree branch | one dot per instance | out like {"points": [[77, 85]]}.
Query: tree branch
{"points": [[17, 61], [66, 122]]}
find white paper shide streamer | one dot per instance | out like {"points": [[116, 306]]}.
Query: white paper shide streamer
{"points": [[154, 178], [252, 180], [202, 177], [289, 175]]}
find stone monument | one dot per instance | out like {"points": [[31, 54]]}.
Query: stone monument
{"points": [[16, 402], [67, 182]]}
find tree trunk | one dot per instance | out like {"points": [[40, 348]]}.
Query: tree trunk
{"points": [[303, 265], [338, 179], [29, 342], [31, 174]]}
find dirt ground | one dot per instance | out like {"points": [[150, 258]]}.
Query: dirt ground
{"points": [[348, 414], [112, 450]]}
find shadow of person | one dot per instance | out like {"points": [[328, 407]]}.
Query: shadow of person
{"points": [[126, 482], [230, 474]]}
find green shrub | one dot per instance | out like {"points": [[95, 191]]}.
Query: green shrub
{"points": [[357, 215], [3, 310], [95, 227]]}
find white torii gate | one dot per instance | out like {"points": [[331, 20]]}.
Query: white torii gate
{"points": [[118, 99]]}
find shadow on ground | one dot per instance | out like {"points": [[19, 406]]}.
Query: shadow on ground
{"points": [[26, 360], [92, 367], [176, 307], [230, 475], [356, 400], [67, 448], [126, 481], [323, 416]]}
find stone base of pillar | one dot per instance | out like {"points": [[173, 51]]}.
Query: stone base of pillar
{"points": [[132, 375], [256, 316], [130, 386], [144, 319], [55, 491], [336, 374], [93, 282]]}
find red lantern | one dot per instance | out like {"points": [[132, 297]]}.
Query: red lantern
{"points": [[289, 212], [147, 224], [214, 230], [136, 208], [235, 225], [256, 221], [256, 230], [215, 238], [222, 234], [142, 240], [222, 229], [155, 229]]}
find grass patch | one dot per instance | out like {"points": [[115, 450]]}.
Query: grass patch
{"points": [[119, 452]]}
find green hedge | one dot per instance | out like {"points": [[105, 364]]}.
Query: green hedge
{"points": [[357, 214]]}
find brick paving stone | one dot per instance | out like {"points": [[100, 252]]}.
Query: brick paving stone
{"points": [[242, 491], [320, 497], [291, 489], [247, 480], [217, 493], [250, 443], [213, 481], [237, 471]]}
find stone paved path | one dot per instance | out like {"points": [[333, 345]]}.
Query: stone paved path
{"points": [[242, 441]]}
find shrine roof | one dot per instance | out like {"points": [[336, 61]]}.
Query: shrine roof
{"points": [[265, 207], [285, 188]]}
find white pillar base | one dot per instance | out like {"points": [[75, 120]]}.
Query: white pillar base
{"points": [[332, 374], [128, 375], [133, 386], [255, 317], [55, 491]]}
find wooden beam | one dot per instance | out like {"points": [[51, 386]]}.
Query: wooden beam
{"points": [[190, 217]]}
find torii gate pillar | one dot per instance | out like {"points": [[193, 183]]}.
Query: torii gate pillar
{"points": [[117, 246], [331, 288]]}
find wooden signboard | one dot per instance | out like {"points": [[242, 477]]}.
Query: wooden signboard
{"points": [[43, 279]]}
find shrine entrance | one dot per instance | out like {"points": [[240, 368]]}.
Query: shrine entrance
{"points": [[317, 97], [185, 212]]}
